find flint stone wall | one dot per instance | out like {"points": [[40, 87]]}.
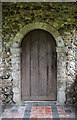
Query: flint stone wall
{"points": [[60, 16]]}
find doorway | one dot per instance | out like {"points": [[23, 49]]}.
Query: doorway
{"points": [[39, 66]]}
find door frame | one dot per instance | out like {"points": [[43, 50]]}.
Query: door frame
{"points": [[16, 60]]}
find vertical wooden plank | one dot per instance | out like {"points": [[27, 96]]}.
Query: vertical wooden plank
{"points": [[54, 73], [42, 63], [34, 63], [49, 66], [26, 66], [52, 70]]}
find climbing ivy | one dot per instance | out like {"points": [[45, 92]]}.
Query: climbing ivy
{"points": [[15, 15]]}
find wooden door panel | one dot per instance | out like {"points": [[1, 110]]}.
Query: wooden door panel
{"points": [[51, 65], [42, 64], [38, 66], [34, 64], [49, 69], [26, 69]]}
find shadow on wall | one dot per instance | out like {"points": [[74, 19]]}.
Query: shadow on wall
{"points": [[71, 93]]}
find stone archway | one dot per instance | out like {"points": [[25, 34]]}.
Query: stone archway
{"points": [[16, 60]]}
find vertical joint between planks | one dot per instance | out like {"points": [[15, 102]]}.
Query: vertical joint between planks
{"points": [[38, 64], [30, 65]]}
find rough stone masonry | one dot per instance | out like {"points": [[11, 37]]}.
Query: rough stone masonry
{"points": [[61, 16]]}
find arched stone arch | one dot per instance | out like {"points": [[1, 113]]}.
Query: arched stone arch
{"points": [[16, 59], [39, 25]]}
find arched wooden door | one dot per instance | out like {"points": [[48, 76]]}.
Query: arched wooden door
{"points": [[38, 66]]}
